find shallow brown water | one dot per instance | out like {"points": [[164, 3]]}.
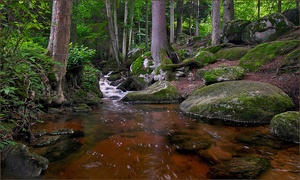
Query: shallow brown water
{"points": [[123, 141]]}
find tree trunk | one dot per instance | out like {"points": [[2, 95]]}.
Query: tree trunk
{"points": [[179, 8], [159, 31], [172, 22], [124, 44], [297, 3], [147, 24], [59, 42], [215, 22], [258, 9], [111, 31], [130, 33], [197, 18], [279, 6], [228, 11], [116, 29]]}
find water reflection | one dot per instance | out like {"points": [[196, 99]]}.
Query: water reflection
{"points": [[125, 141]]}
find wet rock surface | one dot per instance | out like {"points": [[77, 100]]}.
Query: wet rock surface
{"points": [[239, 168], [18, 162]]}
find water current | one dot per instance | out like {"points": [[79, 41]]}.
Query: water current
{"points": [[127, 141]]}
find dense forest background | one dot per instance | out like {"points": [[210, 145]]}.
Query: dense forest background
{"points": [[27, 70]]}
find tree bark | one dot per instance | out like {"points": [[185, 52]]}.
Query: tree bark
{"points": [[124, 44], [59, 40], [215, 22], [197, 18], [228, 11], [279, 6], [159, 31], [147, 24], [130, 33], [116, 29], [172, 39], [111, 31], [258, 9], [179, 8]]}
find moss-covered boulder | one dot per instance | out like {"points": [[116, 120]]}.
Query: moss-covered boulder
{"points": [[292, 15], [285, 126], [266, 29], [238, 102], [205, 58], [235, 53], [158, 93], [212, 49], [142, 65], [220, 74], [183, 39], [18, 162], [266, 53], [240, 168], [232, 31], [291, 62]]}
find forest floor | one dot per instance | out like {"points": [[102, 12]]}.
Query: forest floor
{"points": [[288, 82]]}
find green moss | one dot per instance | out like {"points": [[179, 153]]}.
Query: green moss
{"points": [[291, 62], [232, 53], [286, 126], [238, 101], [205, 58], [138, 66], [183, 53], [212, 49], [266, 53], [223, 74]]}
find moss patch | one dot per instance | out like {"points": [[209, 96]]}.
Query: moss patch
{"points": [[286, 126], [205, 58], [158, 93], [142, 65], [235, 53], [266, 53], [242, 102], [223, 74]]}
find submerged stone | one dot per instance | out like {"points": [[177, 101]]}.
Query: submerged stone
{"points": [[189, 143], [240, 167], [238, 102], [286, 125], [158, 93]]}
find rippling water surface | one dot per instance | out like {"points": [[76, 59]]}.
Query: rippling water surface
{"points": [[123, 141]]}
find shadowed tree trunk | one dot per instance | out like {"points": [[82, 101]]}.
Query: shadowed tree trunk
{"points": [[147, 24], [59, 40], [179, 8], [124, 44], [159, 31], [197, 17]]}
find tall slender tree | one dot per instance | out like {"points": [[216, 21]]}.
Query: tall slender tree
{"points": [[124, 44], [228, 11], [130, 33], [159, 31], [59, 40], [179, 7], [215, 36], [172, 38], [197, 9], [112, 32], [147, 24]]}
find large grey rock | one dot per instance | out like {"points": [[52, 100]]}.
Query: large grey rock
{"points": [[158, 93], [285, 126], [266, 29], [241, 102], [292, 15], [232, 31], [18, 162]]}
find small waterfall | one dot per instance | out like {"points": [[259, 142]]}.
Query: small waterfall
{"points": [[109, 91]]}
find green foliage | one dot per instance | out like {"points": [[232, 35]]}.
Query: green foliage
{"points": [[90, 77], [79, 56]]}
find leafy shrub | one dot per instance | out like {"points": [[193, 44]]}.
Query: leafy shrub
{"points": [[79, 56]]}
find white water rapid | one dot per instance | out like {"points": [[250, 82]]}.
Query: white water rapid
{"points": [[109, 91]]}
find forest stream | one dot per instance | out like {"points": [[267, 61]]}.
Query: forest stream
{"points": [[127, 141]]}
